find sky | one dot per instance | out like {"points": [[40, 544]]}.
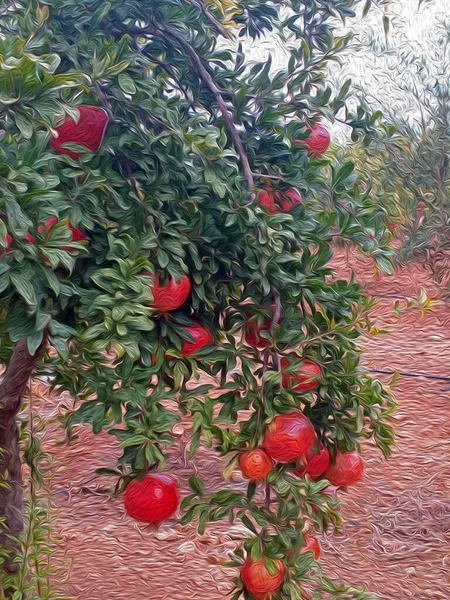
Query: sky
{"points": [[412, 26]]}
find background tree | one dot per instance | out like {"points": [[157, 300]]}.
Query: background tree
{"points": [[167, 214], [405, 166]]}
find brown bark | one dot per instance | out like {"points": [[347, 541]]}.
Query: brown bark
{"points": [[12, 387]]}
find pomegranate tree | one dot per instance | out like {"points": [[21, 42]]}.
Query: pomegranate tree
{"points": [[166, 253]]}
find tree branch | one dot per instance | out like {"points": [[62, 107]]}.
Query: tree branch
{"points": [[208, 80], [211, 18], [16, 377]]}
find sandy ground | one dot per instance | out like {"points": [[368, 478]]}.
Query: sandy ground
{"points": [[397, 532]]}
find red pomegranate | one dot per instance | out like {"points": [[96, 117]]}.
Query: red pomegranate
{"points": [[312, 545], [289, 436], [289, 199], [77, 234], [202, 337], [255, 464], [347, 469], [88, 132], [152, 499], [318, 141], [303, 380], [252, 333], [314, 465], [266, 199], [258, 581], [171, 295], [278, 202]]}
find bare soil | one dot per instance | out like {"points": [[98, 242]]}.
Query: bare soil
{"points": [[397, 532]]}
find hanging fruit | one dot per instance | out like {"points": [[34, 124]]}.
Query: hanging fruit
{"points": [[153, 499], [318, 140], [314, 464], [202, 337], [304, 379], [289, 436], [88, 131], [275, 202], [348, 469], [255, 464], [171, 295], [258, 581]]}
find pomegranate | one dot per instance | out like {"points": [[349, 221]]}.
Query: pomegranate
{"points": [[255, 464], [252, 333], [314, 465], [202, 337], [77, 234], [289, 436], [311, 545], [289, 199], [152, 499], [258, 581], [88, 132], [318, 141], [277, 202], [266, 199], [347, 469], [171, 295], [303, 380]]}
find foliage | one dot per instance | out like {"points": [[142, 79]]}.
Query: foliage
{"points": [[192, 126], [406, 169], [38, 542]]}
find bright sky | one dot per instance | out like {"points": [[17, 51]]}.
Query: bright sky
{"points": [[411, 26]]}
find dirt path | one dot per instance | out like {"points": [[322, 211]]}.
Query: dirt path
{"points": [[397, 534]]}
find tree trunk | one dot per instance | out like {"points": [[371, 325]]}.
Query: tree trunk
{"points": [[12, 387]]}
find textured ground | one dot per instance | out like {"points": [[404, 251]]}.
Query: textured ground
{"points": [[397, 534]]}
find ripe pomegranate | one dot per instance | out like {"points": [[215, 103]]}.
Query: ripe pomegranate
{"points": [[303, 380], [258, 581], [277, 202], [252, 333], [312, 545], [289, 199], [255, 464], [314, 465], [171, 295], [318, 141], [266, 199], [152, 499], [289, 436], [347, 469], [202, 337], [88, 132], [77, 234]]}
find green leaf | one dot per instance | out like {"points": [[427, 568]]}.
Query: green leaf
{"points": [[126, 84], [197, 485], [24, 287]]}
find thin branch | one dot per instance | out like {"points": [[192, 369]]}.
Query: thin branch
{"points": [[168, 69], [211, 18], [208, 80], [265, 176]]}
